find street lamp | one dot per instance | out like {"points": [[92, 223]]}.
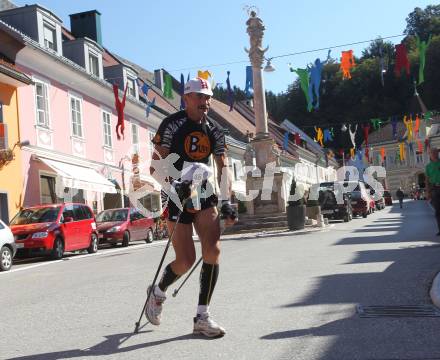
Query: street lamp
{"points": [[269, 67]]}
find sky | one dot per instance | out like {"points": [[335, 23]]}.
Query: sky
{"points": [[191, 35]]}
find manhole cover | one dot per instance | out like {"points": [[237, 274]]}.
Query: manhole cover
{"points": [[397, 311]]}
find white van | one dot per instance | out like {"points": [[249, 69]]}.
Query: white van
{"points": [[8, 248]]}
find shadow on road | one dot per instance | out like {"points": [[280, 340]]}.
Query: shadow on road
{"points": [[406, 280], [110, 346]]}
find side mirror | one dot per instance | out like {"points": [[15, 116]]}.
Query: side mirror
{"points": [[68, 219]]}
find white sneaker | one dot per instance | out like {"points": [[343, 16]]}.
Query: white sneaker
{"points": [[203, 324], [154, 307]]}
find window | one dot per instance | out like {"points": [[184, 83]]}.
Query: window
{"points": [[3, 136], [94, 65], [75, 108], [131, 87], [135, 138], [42, 101], [47, 186], [49, 35], [107, 129], [1, 112]]}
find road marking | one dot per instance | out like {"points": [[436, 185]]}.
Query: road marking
{"points": [[77, 257]]}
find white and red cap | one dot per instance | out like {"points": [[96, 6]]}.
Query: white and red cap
{"points": [[198, 85]]}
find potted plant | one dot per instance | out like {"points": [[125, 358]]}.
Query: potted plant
{"points": [[296, 210]]}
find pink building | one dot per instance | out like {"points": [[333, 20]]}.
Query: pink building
{"points": [[68, 115]]}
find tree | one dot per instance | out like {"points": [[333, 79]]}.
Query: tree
{"points": [[424, 22]]}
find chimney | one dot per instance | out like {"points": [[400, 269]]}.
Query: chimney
{"points": [[87, 24], [158, 78]]}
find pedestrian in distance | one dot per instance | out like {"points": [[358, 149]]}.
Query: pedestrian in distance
{"points": [[193, 137], [432, 172], [400, 195]]}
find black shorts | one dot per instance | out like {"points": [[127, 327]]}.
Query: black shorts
{"points": [[187, 216]]}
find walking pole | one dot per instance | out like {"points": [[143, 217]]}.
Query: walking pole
{"points": [[136, 329], [176, 291]]}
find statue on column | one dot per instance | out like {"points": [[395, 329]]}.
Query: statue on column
{"points": [[255, 29]]}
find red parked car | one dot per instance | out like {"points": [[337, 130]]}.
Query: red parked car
{"points": [[54, 229], [388, 198], [361, 203], [124, 225]]}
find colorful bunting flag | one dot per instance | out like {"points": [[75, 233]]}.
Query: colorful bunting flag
{"points": [[347, 63], [120, 105]]}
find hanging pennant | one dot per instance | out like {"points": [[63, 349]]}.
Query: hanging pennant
{"points": [[419, 146], [249, 82], [230, 94], [315, 80], [359, 154], [181, 91], [427, 144], [150, 104], [297, 139], [417, 126], [382, 153], [344, 128], [304, 78], [422, 46], [120, 104], [382, 66], [347, 63], [366, 130], [367, 153], [427, 115], [352, 152], [353, 135], [286, 140], [376, 123], [402, 151], [402, 62], [409, 127], [168, 87], [145, 88], [327, 136], [319, 136], [204, 74]]}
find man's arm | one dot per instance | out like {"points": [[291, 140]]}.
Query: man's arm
{"points": [[224, 177], [159, 153]]}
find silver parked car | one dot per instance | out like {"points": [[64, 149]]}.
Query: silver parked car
{"points": [[8, 248]]}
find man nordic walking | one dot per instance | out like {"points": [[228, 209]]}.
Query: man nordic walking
{"points": [[189, 134], [432, 172]]}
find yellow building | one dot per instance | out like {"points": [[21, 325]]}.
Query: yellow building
{"points": [[11, 170]]}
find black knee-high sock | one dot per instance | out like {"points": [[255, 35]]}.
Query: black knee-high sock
{"points": [[208, 279], [168, 277]]}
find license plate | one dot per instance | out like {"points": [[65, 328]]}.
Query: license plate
{"points": [[326, 211], [19, 245], [354, 202]]}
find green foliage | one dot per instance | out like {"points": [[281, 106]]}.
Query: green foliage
{"points": [[424, 22]]}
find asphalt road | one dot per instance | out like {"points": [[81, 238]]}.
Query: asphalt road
{"points": [[289, 296]]}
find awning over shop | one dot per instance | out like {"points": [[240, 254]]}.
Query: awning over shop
{"points": [[80, 177]]}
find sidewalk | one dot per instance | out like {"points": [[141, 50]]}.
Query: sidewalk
{"points": [[270, 233]]}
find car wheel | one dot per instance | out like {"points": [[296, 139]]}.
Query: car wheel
{"points": [[6, 259], [125, 239], [150, 237], [364, 215], [58, 249], [93, 244], [347, 217]]}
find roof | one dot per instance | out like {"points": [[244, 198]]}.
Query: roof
{"points": [[9, 69], [385, 134]]}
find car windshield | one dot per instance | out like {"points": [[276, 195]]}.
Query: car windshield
{"points": [[36, 215], [112, 215], [356, 195]]}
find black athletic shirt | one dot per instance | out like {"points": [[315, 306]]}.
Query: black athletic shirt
{"points": [[192, 141]]}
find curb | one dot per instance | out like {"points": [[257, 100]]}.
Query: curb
{"points": [[435, 291], [263, 234]]}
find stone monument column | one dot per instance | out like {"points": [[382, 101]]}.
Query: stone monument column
{"points": [[263, 146]]}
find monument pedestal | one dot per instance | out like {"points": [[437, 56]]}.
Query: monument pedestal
{"points": [[269, 199]]}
